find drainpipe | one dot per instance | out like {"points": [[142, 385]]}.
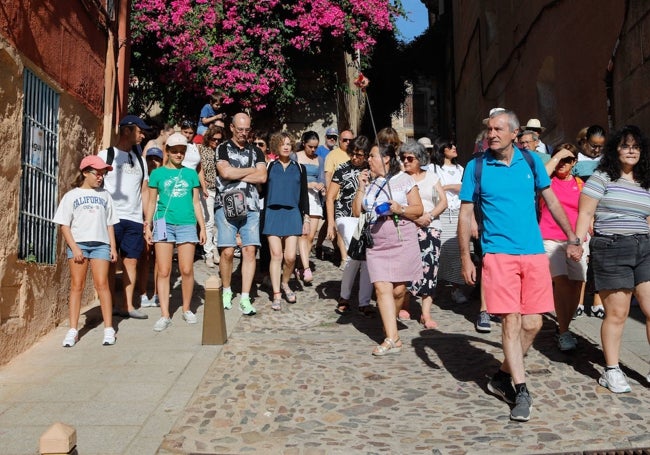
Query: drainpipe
{"points": [[123, 58], [109, 89]]}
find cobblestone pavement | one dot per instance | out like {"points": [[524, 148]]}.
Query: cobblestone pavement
{"points": [[302, 381]]}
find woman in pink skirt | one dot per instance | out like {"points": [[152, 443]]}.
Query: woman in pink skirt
{"points": [[392, 198]]}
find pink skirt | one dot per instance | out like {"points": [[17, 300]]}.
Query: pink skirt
{"points": [[393, 260]]}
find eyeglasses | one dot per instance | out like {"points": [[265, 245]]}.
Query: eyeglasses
{"points": [[408, 159], [359, 154], [347, 139], [333, 137], [629, 148], [260, 143], [243, 130], [594, 147]]}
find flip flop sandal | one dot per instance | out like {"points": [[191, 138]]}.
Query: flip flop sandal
{"points": [[276, 305], [289, 295]]}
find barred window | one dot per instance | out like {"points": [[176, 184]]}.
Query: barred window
{"points": [[39, 165]]}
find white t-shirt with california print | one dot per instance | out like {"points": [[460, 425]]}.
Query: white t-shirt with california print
{"points": [[88, 213], [124, 183]]}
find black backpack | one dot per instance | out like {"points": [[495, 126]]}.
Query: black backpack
{"points": [[110, 156], [478, 172]]}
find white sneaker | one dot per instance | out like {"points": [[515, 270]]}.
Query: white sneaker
{"points": [[458, 297], [148, 303], [71, 338], [615, 381], [162, 324], [566, 342], [109, 336], [190, 317]]}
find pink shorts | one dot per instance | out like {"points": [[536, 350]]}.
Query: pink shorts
{"points": [[517, 284]]}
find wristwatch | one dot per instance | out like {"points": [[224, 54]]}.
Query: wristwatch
{"points": [[577, 241]]}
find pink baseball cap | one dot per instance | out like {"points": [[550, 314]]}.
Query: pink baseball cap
{"points": [[94, 162]]}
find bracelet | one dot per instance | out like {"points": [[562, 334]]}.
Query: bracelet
{"points": [[576, 242]]}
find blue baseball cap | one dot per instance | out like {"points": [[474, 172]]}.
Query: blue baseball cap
{"points": [[155, 151], [331, 132], [134, 120]]}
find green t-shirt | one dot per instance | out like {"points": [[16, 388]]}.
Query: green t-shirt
{"points": [[175, 188]]}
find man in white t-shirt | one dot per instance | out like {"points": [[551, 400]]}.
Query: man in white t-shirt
{"points": [[127, 185]]}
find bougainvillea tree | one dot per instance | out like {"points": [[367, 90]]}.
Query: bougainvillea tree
{"points": [[246, 49]]}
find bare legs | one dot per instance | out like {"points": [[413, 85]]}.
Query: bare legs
{"points": [[306, 241], [518, 333], [164, 254], [389, 299], [566, 295], [282, 248], [78, 271]]}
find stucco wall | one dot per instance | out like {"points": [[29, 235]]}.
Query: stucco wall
{"points": [[544, 59], [33, 298]]}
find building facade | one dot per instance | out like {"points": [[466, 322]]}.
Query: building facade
{"points": [[54, 93], [568, 63]]}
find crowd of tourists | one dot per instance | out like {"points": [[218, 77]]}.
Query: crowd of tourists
{"points": [[525, 227]]}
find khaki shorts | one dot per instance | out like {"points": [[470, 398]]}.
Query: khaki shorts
{"points": [[561, 265]]}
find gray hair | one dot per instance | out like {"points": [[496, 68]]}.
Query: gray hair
{"points": [[418, 151], [513, 121], [534, 134]]}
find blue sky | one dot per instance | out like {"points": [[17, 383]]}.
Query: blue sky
{"points": [[416, 22]]}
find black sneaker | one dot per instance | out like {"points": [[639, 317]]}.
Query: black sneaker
{"points": [[523, 405], [502, 389]]}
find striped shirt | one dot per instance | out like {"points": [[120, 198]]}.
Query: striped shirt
{"points": [[623, 206]]}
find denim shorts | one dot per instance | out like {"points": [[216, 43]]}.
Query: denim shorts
{"points": [[180, 233], [93, 250], [129, 238], [620, 261], [249, 229]]}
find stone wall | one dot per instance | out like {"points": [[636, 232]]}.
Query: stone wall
{"points": [[548, 60]]}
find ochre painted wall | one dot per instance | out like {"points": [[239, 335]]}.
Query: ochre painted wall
{"points": [[65, 47]]}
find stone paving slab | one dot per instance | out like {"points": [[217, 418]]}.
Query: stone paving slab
{"points": [[302, 381]]}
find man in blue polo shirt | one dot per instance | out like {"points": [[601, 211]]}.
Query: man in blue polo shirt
{"points": [[516, 279]]}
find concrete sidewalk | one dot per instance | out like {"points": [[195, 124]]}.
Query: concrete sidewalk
{"points": [[302, 381], [121, 399]]}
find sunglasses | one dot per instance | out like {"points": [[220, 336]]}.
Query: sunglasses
{"points": [[260, 143], [97, 173], [332, 137], [564, 161], [347, 139], [408, 159], [187, 124]]}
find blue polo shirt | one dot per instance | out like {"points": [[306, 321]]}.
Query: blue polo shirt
{"points": [[508, 203]]}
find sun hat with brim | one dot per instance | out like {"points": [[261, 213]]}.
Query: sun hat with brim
{"points": [[535, 125], [176, 139], [94, 162]]}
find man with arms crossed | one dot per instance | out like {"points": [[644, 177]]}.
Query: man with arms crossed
{"points": [[240, 165], [516, 276]]}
